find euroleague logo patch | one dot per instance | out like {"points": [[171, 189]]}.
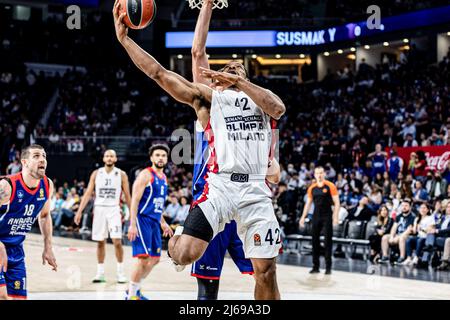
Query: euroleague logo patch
{"points": [[324, 190], [17, 285], [257, 239]]}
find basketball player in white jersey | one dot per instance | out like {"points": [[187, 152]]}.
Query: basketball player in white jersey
{"points": [[108, 182], [238, 123]]}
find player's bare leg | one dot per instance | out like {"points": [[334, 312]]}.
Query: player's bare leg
{"points": [[4, 293], [118, 248], [141, 270], [266, 287], [101, 252], [185, 249]]}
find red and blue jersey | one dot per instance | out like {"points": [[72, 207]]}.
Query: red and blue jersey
{"points": [[18, 216], [154, 196]]}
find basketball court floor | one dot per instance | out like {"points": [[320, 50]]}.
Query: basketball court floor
{"points": [[77, 265]]}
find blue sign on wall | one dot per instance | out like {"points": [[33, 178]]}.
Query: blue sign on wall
{"points": [[278, 38]]}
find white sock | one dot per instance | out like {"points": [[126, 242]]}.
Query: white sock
{"points": [[178, 231], [133, 288], [120, 267], [101, 268]]}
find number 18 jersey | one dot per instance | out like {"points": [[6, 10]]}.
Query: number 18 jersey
{"points": [[18, 216]]}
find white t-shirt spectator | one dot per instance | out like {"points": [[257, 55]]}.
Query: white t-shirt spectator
{"points": [[13, 168], [21, 130], [424, 224]]}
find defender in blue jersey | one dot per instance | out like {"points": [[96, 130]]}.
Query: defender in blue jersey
{"points": [[146, 221], [208, 268], [24, 197]]}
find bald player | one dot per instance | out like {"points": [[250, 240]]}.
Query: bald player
{"points": [[108, 182]]}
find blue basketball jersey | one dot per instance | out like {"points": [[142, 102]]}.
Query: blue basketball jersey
{"points": [[378, 162], [154, 196], [17, 217], [200, 163]]}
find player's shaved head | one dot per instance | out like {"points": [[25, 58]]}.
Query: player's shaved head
{"points": [[111, 152]]}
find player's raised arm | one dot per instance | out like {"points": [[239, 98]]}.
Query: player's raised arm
{"points": [[5, 192], [86, 197], [46, 226], [199, 56], [269, 102], [138, 190], [195, 95]]}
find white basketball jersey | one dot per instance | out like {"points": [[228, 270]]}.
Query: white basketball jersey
{"points": [[108, 187], [241, 134]]}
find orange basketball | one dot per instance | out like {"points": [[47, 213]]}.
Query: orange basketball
{"points": [[139, 13]]}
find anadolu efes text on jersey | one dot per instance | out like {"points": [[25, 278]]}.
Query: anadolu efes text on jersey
{"points": [[154, 196], [239, 133], [17, 217]]}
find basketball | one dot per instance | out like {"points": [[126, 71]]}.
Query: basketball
{"points": [[139, 13]]}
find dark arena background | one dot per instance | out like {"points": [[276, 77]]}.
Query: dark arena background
{"points": [[366, 85]]}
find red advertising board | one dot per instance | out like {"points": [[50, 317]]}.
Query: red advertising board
{"points": [[438, 157]]}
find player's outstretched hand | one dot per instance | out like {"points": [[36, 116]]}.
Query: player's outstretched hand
{"points": [[167, 230], [3, 258], [121, 28], [220, 80], [132, 232], [49, 257]]}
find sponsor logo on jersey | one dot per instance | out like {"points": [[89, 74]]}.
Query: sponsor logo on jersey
{"points": [[20, 194], [41, 195], [257, 239], [211, 268], [324, 190], [202, 267]]}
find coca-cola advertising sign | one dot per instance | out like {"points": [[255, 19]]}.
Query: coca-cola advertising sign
{"points": [[438, 157]]}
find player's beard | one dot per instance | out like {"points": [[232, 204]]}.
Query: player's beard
{"points": [[109, 165], [36, 174], [159, 165]]}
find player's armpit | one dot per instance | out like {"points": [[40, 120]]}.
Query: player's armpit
{"points": [[5, 192]]}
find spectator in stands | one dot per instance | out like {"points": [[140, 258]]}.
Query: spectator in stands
{"points": [[14, 167], [420, 194], [172, 208], [438, 187], [362, 212], [182, 211], [399, 233], [437, 236], [395, 166], [384, 225], [375, 197], [68, 209], [378, 160], [420, 168], [445, 260], [423, 224]]}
